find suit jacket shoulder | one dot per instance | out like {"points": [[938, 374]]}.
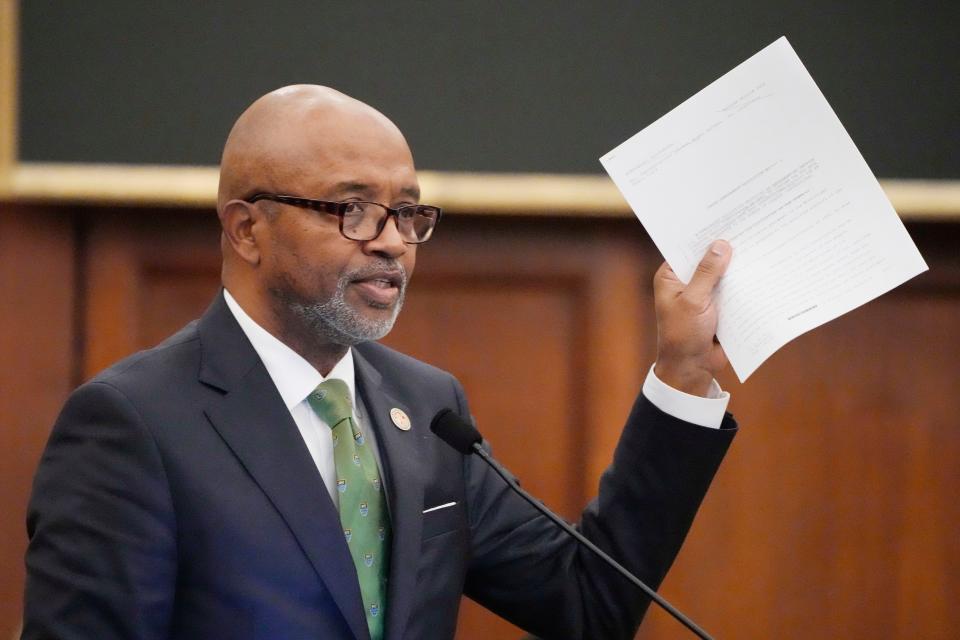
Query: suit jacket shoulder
{"points": [[151, 371]]}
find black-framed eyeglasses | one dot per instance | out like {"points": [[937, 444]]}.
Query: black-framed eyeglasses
{"points": [[365, 220]]}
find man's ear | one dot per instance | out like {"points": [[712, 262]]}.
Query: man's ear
{"points": [[239, 220]]}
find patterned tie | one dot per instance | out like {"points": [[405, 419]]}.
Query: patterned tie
{"points": [[363, 509]]}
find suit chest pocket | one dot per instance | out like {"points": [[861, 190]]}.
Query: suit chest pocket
{"points": [[441, 518]]}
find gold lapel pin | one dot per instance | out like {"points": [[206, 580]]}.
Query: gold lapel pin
{"points": [[400, 419]]}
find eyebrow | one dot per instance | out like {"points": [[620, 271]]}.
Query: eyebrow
{"points": [[366, 190]]}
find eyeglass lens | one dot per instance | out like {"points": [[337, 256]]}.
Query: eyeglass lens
{"points": [[365, 221]]}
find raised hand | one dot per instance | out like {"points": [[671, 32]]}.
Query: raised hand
{"points": [[688, 355]]}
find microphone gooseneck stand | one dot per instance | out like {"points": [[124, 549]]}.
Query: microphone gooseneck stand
{"points": [[465, 438]]}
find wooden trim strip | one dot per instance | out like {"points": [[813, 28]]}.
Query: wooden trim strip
{"points": [[114, 184], [468, 193], [9, 65]]}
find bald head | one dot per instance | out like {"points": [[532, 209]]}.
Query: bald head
{"points": [[291, 268], [296, 132]]}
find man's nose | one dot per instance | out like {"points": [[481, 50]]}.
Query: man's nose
{"points": [[389, 243]]}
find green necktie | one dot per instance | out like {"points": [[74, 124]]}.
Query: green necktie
{"points": [[363, 508]]}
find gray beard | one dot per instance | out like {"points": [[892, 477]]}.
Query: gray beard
{"points": [[335, 320]]}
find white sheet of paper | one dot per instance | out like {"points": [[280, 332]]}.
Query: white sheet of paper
{"points": [[759, 158]]}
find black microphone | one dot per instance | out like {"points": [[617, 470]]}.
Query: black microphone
{"points": [[464, 437]]}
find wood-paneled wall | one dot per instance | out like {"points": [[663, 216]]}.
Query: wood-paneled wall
{"points": [[833, 516]]}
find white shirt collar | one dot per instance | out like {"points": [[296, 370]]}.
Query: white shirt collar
{"points": [[294, 377]]}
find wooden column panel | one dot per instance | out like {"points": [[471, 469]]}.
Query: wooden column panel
{"points": [[524, 321], [543, 331], [147, 274], [37, 347]]}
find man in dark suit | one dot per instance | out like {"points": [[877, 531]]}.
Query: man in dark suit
{"points": [[194, 490]]}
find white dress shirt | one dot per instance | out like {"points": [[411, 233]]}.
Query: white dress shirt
{"points": [[295, 379], [706, 412]]}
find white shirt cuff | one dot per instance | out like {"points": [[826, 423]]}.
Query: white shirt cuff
{"points": [[706, 412]]}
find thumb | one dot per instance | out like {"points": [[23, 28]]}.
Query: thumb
{"points": [[708, 272]]}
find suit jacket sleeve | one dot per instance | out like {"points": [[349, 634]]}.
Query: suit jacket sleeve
{"points": [[527, 570], [102, 552]]}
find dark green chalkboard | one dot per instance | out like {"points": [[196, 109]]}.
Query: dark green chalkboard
{"points": [[484, 86]]}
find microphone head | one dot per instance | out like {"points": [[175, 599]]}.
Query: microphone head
{"points": [[455, 431]]}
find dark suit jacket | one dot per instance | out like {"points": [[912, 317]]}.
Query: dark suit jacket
{"points": [[177, 499]]}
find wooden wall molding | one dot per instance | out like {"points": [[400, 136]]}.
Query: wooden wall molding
{"points": [[517, 194]]}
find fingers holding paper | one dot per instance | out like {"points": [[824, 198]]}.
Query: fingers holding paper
{"points": [[688, 356]]}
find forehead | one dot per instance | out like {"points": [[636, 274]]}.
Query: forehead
{"points": [[354, 155]]}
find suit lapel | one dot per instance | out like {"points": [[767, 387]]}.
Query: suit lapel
{"points": [[405, 485], [253, 421]]}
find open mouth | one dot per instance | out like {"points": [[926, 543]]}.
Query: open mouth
{"points": [[380, 289]]}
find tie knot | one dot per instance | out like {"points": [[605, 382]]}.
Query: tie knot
{"points": [[331, 401]]}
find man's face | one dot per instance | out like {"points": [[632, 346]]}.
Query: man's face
{"points": [[339, 290]]}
